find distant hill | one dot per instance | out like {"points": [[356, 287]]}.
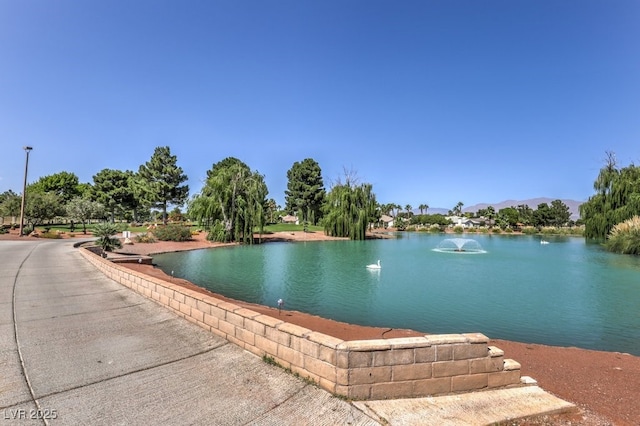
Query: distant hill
{"points": [[574, 206]]}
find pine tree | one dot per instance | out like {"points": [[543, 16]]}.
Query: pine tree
{"points": [[159, 181], [305, 192]]}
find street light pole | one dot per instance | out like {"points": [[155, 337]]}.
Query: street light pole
{"points": [[27, 149]]}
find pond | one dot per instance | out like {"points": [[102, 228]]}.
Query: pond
{"points": [[564, 292]]}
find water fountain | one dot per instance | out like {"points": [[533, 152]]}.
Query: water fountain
{"points": [[460, 245]]}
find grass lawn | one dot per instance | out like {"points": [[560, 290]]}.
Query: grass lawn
{"points": [[278, 227], [291, 227]]}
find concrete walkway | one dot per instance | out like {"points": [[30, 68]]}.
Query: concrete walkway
{"points": [[78, 348]]}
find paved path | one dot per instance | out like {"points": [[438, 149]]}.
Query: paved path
{"points": [[78, 348]]}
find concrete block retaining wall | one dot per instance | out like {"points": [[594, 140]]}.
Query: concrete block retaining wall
{"points": [[363, 369]]}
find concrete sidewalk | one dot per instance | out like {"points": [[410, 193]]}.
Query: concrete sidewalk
{"points": [[78, 348]]}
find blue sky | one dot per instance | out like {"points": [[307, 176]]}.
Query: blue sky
{"points": [[432, 102]]}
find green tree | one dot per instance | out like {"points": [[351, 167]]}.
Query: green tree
{"points": [[42, 206], [271, 210], [423, 208], [305, 192], [349, 210], [408, 209], [10, 204], [64, 184], [83, 210], [233, 200], [509, 215], [457, 210], [387, 209], [397, 208], [616, 200], [542, 215], [559, 213], [84, 190], [525, 214], [6, 195], [114, 190], [607, 175], [489, 212], [160, 181]]}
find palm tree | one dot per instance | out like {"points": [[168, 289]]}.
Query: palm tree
{"points": [[104, 232], [387, 209], [423, 208], [457, 210], [408, 208]]}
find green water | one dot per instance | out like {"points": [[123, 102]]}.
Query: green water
{"points": [[566, 293]]}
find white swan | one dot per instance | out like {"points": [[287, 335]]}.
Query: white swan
{"points": [[375, 265]]}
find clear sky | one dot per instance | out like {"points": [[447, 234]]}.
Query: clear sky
{"points": [[431, 102]]}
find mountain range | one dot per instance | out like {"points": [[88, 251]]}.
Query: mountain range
{"points": [[574, 206]]}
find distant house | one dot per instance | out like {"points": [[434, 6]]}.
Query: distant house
{"points": [[466, 222], [386, 221], [289, 219], [456, 220], [475, 222]]}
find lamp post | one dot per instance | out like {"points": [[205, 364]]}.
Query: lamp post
{"points": [[27, 149]]}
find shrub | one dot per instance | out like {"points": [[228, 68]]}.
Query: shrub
{"points": [[472, 230], [484, 230], [172, 233], [508, 231], [145, 238], [624, 238], [434, 228], [496, 230], [577, 230], [529, 230], [458, 229], [3, 230], [217, 233], [269, 360], [104, 231], [48, 234]]}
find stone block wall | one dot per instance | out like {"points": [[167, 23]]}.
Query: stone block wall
{"points": [[361, 369]]}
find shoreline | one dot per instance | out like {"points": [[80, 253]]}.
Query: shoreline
{"points": [[605, 386]]}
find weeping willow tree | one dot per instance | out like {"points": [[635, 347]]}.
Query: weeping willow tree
{"points": [[349, 209], [617, 199], [232, 202]]}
